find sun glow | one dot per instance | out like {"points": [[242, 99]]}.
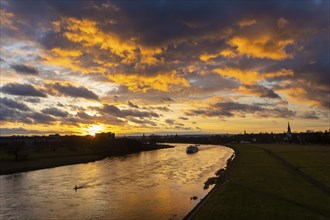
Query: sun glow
{"points": [[95, 128]]}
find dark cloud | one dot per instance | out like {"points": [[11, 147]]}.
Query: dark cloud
{"points": [[143, 122], [210, 83], [262, 91], [170, 121], [231, 109], [14, 112], [13, 115], [40, 118], [132, 105], [159, 108], [85, 116], [22, 90], [73, 91], [276, 113], [168, 99], [13, 104], [55, 112], [23, 69], [184, 118], [310, 115], [123, 113], [163, 109]]}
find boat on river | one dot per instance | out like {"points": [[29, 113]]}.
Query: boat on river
{"points": [[192, 149]]}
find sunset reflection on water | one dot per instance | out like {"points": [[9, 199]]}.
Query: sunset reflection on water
{"points": [[148, 185]]}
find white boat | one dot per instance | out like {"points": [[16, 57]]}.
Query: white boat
{"points": [[191, 149]]}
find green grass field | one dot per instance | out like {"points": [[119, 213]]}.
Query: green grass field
{"points": [[261, 186]]}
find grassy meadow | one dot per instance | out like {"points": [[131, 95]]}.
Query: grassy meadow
{"points": [[273, 181]]}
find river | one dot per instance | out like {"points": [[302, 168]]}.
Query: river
{"points": [[147, 185]]}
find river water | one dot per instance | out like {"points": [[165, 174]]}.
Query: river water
{"points": [[148, 185]]}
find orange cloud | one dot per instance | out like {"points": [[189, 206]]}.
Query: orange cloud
{"points": [[225, 53], [87, 33], [147, 55], [250, 76], [66, 53], [228, 53], [298, 96], [69, 59], [246, 77], [264, 46], [143, 83], [205, 57]]}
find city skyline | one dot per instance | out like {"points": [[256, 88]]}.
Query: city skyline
{"points": [[85, 67]]}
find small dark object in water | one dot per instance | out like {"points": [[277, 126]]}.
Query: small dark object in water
{"points": [[193, 198]]}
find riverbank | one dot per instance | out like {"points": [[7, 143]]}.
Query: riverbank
{"points": [[56, 159], [220, 179], [272, 182]]}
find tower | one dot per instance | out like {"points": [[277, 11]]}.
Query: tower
{"points": [[289, 129]]}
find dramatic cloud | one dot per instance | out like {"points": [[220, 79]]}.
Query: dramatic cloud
{"points": [[260, 91], [22, 90], [13, 104], [23, 69], [169, 121], [12, 115], [132, 105], [143, 66], [261, 47], [41, 118], [124, 113], [73, 91], [231, 109], [55, 112]]}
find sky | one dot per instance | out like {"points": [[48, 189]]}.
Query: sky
{"points": [[133, 67]]}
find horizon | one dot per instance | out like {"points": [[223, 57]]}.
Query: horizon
{"points": [[85, 67]]}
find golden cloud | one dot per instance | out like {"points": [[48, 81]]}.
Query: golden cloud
{"points": [[251, 76], [69, 59], [66, 53], [88, 34], [94, 42], [147, 55], [264, 46], [297, 95], [206, 56], [225, 53], [244, 76], [143, 83]]}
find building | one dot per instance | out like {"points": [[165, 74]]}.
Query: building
{"points": [[105, 136]]}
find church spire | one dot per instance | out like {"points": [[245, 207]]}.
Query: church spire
{"points": [[289, 129]]}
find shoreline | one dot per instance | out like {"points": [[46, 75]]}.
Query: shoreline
{"points": [[12, 167], [221, 179]]}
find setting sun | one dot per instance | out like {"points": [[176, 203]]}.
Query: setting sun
{"points": [[95, 128]]}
